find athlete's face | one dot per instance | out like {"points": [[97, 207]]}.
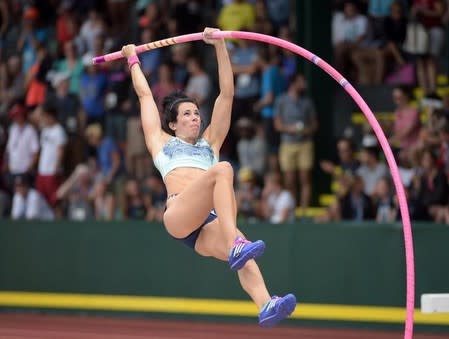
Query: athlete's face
{"points": [[188, 122]]}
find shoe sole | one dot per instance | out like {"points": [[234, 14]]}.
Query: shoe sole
{"points": [[284, 309], [255, 252]]}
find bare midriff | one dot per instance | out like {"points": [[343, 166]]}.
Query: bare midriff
{"points": [[178, 179]]}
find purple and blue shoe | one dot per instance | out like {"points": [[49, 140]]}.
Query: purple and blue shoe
{"points": [[243, 251], [276, 310]]}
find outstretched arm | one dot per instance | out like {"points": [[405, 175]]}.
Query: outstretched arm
{"points": [[221, 114], [151, 121]]}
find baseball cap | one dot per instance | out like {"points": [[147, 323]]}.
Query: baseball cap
{"points": [[17, 110]]}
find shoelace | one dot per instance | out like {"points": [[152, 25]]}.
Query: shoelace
{"points": [[241, 240]]}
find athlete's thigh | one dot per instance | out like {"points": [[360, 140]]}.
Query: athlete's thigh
{"points": [[210, 242], [188, 210]]}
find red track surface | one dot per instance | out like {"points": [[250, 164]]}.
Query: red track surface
{"points": [[36, 326]]}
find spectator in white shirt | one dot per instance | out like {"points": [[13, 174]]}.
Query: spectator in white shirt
{"points": [[349, 28], [278, 204], [28, 203], [53, 141], [372, 169], [22, 146]]}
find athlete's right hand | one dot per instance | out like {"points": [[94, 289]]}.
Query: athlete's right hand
{"points": [[129, 50]]}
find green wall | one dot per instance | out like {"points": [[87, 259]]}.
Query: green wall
{"points": [[320, 263], [313, 25]]}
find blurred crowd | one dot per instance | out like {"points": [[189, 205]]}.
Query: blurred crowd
{"points": [[71, 142], [391, 41], [400, 43]]}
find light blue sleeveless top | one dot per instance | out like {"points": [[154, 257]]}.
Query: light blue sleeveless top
{"points": [[178, 153]]}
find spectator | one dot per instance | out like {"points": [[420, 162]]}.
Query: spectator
{"points": [[31, 36], [349, 29], [346, 162], [247, 195], [164, 85], [199, 87], [117, 102], [109, 158], [36, 78], [92, 28], [133, 207], [72, 64], [407, 124], [271, 87], [76, 191], [430, 189], [179, 56], [279, 12], [155, 197], [66, 25], [386, 208], [92, 93], [22, 148], [371, 168], [138, 163], [245, 60], [262, 23], [289, 66], [277, 204], [395, 34], [333, 212], [53, 140], [371, 57], [430, 14], [28, 203], [252, 146], [104, 201], [377, 12], [355, 205], [295, 118], [71, 117], [151, 60], [151, 18], [12, 82], [430, 133], [236, 16]]}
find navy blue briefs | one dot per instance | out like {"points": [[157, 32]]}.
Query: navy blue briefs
{"points": [[190, 240]]}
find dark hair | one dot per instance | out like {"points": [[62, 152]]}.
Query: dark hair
{"points": [[373, 150], [295, 78], [49, 107], [349, 141], [429, 150], [170, 107], [406, 90]]}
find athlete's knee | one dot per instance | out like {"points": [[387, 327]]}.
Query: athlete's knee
{"points": [[224, 170]]}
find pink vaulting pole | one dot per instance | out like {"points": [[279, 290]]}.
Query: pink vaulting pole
{"points": [[407, 229]]}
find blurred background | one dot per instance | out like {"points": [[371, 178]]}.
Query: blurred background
{"points": [[81, 202]]}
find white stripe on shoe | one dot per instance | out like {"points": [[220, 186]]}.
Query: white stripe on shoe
{"points": [[271, 304]]}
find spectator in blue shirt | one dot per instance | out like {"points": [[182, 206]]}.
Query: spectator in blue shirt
{"points": [[92, 92], [271, 87]]}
